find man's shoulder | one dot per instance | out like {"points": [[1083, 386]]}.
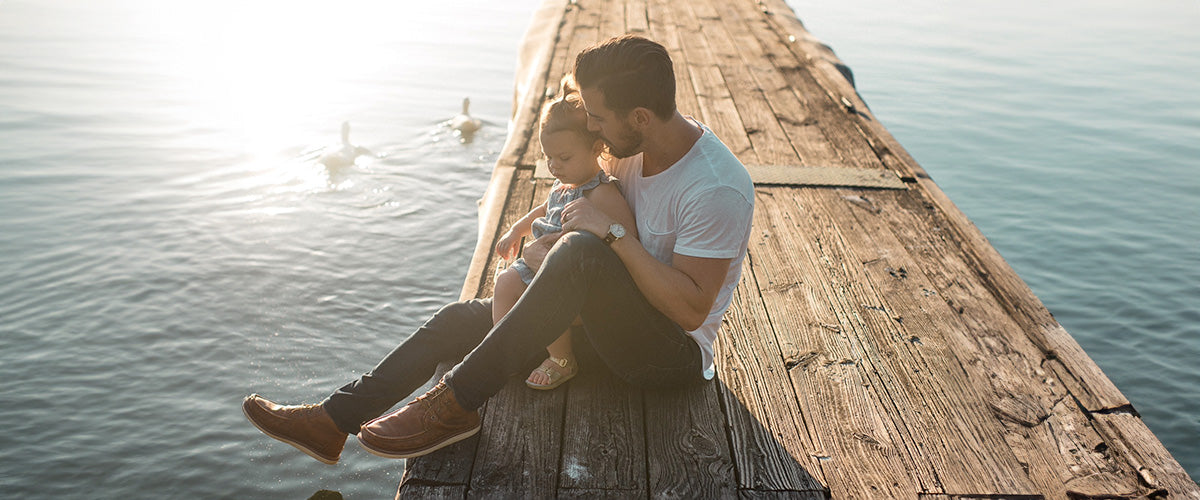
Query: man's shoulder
{"points": [[720, 167]]}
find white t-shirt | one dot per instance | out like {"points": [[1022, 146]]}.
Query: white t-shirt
{"points": [[701, 206]]}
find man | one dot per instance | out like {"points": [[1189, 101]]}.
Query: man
{"points": [[650, 308]]}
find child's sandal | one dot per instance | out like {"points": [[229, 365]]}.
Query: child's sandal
{"points": [[559, 371]]}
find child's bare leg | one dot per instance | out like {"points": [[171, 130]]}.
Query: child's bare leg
{"points": [[509, 287], [559, 350]]}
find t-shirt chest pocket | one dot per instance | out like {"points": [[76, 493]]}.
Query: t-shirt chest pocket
{"points": [[657, 231]]}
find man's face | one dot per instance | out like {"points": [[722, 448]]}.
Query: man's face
{"points": [[622, 138]]}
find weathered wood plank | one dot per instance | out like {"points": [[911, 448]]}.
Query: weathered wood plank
{"points": [[819, 74], [1125, 431], [1073, 366], [826, 108], [560, 62], [636, 19], [587, 29], [1098, 392], [604, 440], [860, 447], [432, 491], [766, 136], [767, 65], [612, 19], [825, 71], [663, 29], [533, 75], [780, 495], [563, 61], [450, 465], [519, 447], [586, 494], [687, 450], [1093, 388], [772, 446], [1047, 432], [717, 109], [947, 424]]}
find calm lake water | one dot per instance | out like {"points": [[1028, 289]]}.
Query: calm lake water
{"points": [[170, 242]]}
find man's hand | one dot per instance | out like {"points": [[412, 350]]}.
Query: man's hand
{"points": [[535, 252], [583, 215]]}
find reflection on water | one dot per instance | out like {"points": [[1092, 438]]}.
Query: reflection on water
{"points": [[172, 240]]}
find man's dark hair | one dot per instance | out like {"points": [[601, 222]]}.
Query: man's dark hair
{"points": [[631, 72]]}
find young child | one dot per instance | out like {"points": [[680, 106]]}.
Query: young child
{"points": [[572, 154]]}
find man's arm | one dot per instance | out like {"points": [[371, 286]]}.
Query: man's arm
{"points": [[684, 291], [609, 200]]}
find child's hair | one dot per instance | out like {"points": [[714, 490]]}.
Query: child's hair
{"points": [[566, 112]]}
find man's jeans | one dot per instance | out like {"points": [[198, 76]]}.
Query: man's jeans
{"points": [[582, 277]]}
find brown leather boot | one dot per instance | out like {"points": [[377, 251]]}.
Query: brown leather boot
{"points": [[307, 427], [431, 422]]}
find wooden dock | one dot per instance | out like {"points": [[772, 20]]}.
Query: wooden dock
{"points": [[877, 347]]}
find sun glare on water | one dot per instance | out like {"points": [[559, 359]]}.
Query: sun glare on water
{"points": [[276, 78]]}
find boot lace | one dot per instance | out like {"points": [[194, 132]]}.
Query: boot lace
{"points": [[433, 393]]}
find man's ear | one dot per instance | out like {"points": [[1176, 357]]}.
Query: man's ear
{"points": [[640, 116]]}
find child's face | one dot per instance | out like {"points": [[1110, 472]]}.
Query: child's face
{"points": [[571, 158]]}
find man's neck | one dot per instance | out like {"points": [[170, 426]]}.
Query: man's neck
{"points": [[668, 144]]}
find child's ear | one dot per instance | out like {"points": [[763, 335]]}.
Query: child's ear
{"points": [[598, 147]]}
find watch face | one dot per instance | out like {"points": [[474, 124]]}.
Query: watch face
{"points": [[617, 230]]}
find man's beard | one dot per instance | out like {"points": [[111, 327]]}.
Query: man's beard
{"points": [[631, 144]]}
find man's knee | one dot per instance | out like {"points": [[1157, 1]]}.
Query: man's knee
{"points": [[471, 314], [581, 250]]}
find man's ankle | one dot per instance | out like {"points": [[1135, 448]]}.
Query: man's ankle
{"points": [[457, 397]]}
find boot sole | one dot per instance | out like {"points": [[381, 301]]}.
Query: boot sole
{"points": [[418, 453], [294, 444]]}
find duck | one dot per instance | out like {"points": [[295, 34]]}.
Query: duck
{"points": [[345, 156], [464, 123]]}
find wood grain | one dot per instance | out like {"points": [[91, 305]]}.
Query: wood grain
{"points": [[687, 450], [604, 441]]}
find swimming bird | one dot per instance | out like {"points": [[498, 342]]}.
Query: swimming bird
{"points": [[345, 156], [464, 123]]}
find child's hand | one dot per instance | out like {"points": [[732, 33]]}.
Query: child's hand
{"points": [[536, 250], [506, 248]]}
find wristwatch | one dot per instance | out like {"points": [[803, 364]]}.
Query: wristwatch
{"points": [[615, 232]]}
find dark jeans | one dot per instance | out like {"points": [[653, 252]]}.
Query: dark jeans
{"points": [[582, 277]]}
